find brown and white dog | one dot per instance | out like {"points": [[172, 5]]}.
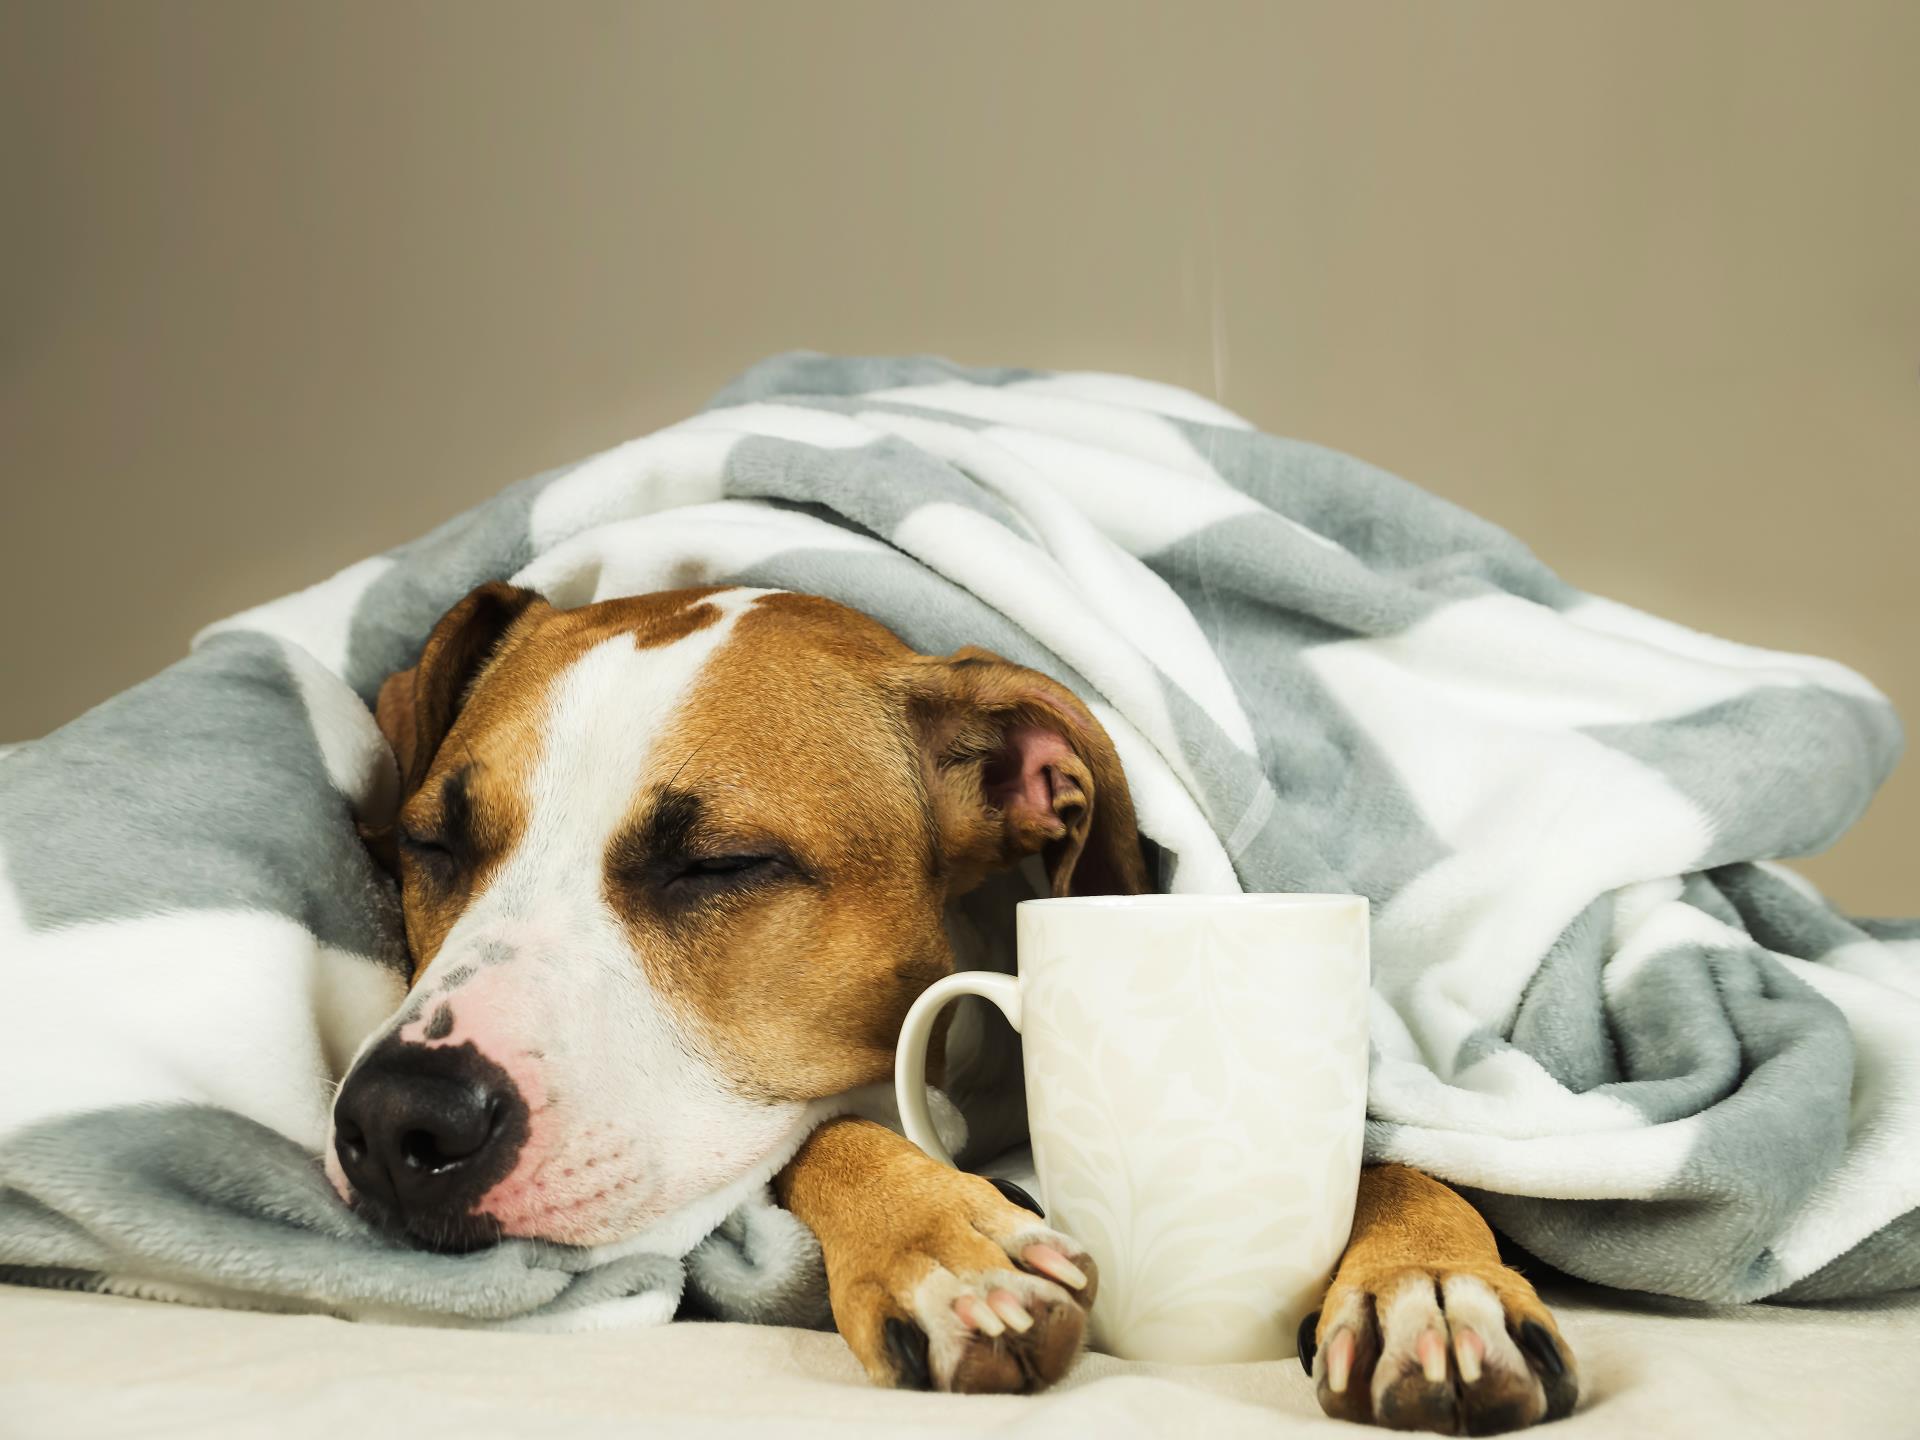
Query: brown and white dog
{"points": [[673, 869]]}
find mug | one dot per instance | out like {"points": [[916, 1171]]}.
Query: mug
{"points": [[1196, 1072]]}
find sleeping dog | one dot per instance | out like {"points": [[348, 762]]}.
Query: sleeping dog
{"points": [[674, 867]]}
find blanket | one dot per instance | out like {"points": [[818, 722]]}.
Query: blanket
{"points": [[1652, 1054]]}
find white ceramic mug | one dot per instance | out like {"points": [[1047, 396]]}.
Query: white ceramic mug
{"points": [[1196, 1073]]}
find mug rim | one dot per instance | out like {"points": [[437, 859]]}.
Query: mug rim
{"points": [[1241, 900]]}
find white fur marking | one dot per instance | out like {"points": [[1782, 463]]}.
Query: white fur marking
{"points": [[630, 1121]]}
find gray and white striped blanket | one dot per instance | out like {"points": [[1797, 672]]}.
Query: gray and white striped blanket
{"points": [[1656, 1058]]}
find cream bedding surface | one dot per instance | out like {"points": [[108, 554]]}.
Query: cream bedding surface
{"points": [[85, 1365]]}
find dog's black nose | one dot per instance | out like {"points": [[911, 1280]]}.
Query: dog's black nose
{"points": [[423, 1132]]}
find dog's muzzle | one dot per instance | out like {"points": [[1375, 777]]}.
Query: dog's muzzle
{"points": [[423, 1133]]}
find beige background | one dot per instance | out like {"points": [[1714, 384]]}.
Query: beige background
{"points": [[281, 285]]}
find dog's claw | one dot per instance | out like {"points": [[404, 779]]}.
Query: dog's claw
{"points": [[907, 1347], [1051, 1263], [1468, 1349], [978, 1316], [1013, 1194], [1304, 1344], [1431, 1350], [1556, 1371], [1538, 1344], [1008, 1307], [1339, 1360]]}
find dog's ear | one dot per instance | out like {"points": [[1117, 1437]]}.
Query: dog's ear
{"points": [[416, 707], [1015, 765]]}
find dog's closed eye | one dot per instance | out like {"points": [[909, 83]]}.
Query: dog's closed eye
{"points": [[725, 865], [677, 859], [441, 848], [433, 854], [717, 872], [684, 883]]}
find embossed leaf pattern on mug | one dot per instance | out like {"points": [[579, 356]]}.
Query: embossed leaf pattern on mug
{"points": [[1197, 1117]]}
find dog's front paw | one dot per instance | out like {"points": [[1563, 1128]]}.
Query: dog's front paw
{"points": [[1463, 1349], [964, 1291]]}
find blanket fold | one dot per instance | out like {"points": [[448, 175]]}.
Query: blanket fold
{"points": [[1655, 1056]]}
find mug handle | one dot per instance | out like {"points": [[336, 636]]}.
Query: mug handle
{"points": [[910, 1056]]}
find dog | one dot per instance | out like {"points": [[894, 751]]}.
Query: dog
{"points": [[672, 870]]}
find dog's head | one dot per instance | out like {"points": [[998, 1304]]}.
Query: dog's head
{"points": [[673, 868]]}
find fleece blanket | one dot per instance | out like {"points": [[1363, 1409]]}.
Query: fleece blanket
{"points": [[1657, 1058]]}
